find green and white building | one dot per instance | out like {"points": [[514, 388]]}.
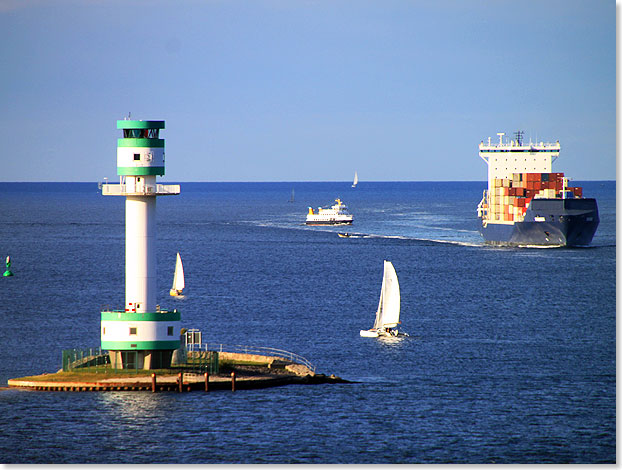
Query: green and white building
{"points": [[141, 335]]}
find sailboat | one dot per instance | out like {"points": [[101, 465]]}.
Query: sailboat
{"points": [[388, 313], [356, 180], [178, 279]]}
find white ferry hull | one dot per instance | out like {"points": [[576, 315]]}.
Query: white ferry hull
{"points": [[329, 222]]}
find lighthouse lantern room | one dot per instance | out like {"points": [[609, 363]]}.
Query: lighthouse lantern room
{"points": [[141, 335]]}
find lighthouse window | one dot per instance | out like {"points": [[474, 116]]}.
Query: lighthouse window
{"points": [[133, 330], [132, 133], [170, 331], [137, 156]]}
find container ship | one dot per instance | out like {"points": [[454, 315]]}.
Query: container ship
{"points": [[526, 204], [337, 214]]}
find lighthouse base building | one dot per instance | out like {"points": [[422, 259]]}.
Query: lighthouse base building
{"points": [[141, 335]]}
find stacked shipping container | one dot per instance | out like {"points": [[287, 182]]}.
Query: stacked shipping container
{"points": [[508, 198]]}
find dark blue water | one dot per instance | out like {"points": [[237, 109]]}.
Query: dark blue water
{"points": [[511, 357]]}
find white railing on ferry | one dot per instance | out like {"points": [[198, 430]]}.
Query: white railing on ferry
{"points": [[122, 189]]}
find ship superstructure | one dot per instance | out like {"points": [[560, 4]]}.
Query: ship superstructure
{"points": [[337, 214], [526, 203]]}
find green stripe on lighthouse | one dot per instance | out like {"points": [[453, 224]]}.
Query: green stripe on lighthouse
{"points": [[142, 142], [140, 345], [134, 316], [128, 124], [140, 170]]}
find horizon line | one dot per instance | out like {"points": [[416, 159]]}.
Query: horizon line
{"points": [[292, 181]]}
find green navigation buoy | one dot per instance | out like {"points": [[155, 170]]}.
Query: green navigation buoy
{"points": [[8, 266]]}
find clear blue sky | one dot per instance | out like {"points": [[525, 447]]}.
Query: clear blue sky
{"points": [[301, 90]]}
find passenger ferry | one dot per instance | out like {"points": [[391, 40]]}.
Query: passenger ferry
{"points": [[337, 214]]}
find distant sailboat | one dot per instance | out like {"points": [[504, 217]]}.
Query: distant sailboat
{"points": [[178, 279], [291, 199], [388, 313], [356, 180]]}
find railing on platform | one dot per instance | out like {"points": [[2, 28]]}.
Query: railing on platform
{"points": [[262, 351], [199, 357], [92, 358], [145, 190], [97, 360]]}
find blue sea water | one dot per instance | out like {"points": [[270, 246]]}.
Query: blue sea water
{"points": [[511, 356]]}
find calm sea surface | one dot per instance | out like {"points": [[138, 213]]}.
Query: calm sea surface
{"points": [[511, 357]]}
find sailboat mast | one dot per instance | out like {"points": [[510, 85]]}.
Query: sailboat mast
{"points": [[379, 312]]}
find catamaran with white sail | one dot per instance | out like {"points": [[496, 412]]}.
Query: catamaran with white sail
{"points": [[178, 279], [388, 313]]}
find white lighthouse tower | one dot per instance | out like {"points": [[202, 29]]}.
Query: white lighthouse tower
{"points": [[141, 335]]}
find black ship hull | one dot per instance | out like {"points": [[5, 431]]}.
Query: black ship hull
{"points": [[548, 222]]}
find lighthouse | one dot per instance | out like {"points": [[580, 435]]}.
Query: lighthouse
{"points": [[141, 335]]}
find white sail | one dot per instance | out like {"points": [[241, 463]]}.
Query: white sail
{"points": [[178, 280], [388, 314], [356, 180]]}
